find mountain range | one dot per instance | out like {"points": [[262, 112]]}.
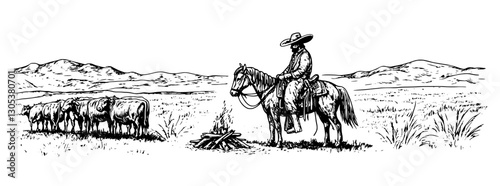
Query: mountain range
{"points": [[67, 75], [414, 73]]}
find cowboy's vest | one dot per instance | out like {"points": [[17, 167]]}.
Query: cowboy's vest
{"points": [[295, 63]]}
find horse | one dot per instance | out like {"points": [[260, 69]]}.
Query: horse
{"points": [[325, 106]]}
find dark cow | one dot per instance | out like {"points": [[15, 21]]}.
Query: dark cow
{"points": [[130, 111], [34, 114], [82, 113], [53, 112], [98, 111], [69, 111]]}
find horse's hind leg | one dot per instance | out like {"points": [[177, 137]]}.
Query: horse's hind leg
{"points": [[338, 127]]}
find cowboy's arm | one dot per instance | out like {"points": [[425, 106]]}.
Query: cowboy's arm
{"points": [[305, 61], [284, 71]]}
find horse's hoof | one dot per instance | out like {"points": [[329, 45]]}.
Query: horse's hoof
{"points": [[279, 145], [270, 143]]}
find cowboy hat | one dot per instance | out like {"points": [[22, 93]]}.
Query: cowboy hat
{"points": [[296, 38]]}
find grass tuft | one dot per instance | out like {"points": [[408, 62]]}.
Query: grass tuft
{"points": [[172, 127], [456, 127], [410, 133]]}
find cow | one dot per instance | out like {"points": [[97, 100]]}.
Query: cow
{"points": [[34, 114], [52, 114], [81, 115], [69, 110], [130, 111], [98, 111]]}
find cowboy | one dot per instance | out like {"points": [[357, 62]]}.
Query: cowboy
{"points": [[294, 77]]}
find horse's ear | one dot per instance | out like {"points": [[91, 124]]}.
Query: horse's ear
{"points": [[244, 67], [241, 65]]}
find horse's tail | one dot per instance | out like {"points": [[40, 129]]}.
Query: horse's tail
{"points": [[346, 108]]}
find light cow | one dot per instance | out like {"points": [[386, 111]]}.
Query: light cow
{"points": [[34, 114], [130, 111]]}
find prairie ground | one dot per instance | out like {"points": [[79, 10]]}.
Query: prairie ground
{"points": [[177, 118]]}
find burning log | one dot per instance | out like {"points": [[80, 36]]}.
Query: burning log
{"points": [[226, 141], [220, 137]]}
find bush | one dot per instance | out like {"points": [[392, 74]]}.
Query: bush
{"points": [[410, 133], [455, 126], [170, 128]]}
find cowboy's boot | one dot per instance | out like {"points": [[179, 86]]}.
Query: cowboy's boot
{"points": [[288, 123], [296, 125]]}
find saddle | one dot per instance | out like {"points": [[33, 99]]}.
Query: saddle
{"points": [[317, 88], [312, 89], [311, 86]]}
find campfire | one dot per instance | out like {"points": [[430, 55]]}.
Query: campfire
{"points": [[220, 136]]}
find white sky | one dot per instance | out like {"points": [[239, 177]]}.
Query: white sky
{"points": [[175, 36]]}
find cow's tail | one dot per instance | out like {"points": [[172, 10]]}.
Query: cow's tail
{"points": [[146, 116], [58, 114], [346, 108]]}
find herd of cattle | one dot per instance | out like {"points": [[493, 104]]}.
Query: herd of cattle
{"points": [[132, 111]]}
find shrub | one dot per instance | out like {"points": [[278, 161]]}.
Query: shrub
{"points": [[170, 128], [456, 127], [410, 133]]}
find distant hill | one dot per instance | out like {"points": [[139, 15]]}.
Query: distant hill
{"points": [[68, 67], [414, 73], [67, 75]]}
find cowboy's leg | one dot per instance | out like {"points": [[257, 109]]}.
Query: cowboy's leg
{"points": [[291, 98]]}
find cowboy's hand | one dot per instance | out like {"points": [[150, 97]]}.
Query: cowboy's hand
{"points": [[280, 76], [287, 76]]}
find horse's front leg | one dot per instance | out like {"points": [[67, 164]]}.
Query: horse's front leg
{"points": [[277, 123], [272, 129]]}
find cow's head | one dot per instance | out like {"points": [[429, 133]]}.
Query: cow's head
{"points": [[104, 104], [26, 110], [113, 99], [69, 105]]}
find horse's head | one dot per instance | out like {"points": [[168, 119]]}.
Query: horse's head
{"points": [[240, 81]]}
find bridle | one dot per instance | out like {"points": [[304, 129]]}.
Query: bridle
{"points": [[242, 97]]}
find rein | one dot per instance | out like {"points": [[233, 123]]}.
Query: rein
{"points": [[243, 96]]}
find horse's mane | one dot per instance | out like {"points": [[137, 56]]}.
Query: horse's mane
{"points": [[264, 79]]}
